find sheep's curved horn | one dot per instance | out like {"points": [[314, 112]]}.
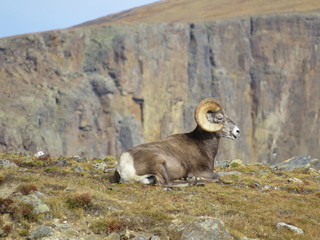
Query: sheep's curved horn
{"points": [[206, 106]]}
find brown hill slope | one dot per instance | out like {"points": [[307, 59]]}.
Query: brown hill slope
{"points": [[205, 10]]}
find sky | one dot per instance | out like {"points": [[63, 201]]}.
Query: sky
{"points": [[28, 16]]}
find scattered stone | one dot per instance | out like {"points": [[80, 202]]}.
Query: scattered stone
{"points": [[80, 158], [295, 180], [60, 226], [255, 185], [100, 166], [228, 163], [302, 161], [261, 173], [60, 237], [128, 233], [268, 187], [246, 238], [205, 228], [143, 236], [7, 164], [155, 238], [184, 184], [224, 174], [34, 199], [281, 225], [78, 169], [41, 232], [113, 236], [63, 163], [108, 170], [221, 163]]}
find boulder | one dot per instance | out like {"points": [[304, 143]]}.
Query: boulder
{"points": [[113, 236], [205, 228], [282, 225], [7, 164], [41, 232], [35, 200], [302, 161]]}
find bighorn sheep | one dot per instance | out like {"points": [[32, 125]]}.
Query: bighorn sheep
{"points": [[180, 155]]}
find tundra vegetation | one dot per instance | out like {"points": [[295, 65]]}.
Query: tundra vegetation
{"points": [[250, 202]]}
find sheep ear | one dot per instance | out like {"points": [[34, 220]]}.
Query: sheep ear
{"points": [[208, 105]]}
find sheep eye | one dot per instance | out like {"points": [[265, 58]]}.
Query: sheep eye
{"points": [[219, 118]]}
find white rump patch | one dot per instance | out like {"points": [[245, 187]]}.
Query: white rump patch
{"points": [[125, 168]]}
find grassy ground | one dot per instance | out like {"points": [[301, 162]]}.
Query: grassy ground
{"points": [[206, 10], [250, 204]]}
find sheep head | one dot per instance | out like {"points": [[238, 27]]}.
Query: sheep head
{"points": [[210, 117]]}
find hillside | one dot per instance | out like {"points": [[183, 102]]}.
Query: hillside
{"points": [[188, 11], [73, 198], [85, 94]]}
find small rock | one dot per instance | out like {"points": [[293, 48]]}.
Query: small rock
{"points": [[205, 228], [80, 158], [268, 187], [108, 170], [281, 225], [261, 173], [100, 166], [113, 236], [143, 236], [61, 226], [295, 180], [176, 221], [7, 164], [128, 233], [41, 232], [60, 237], [224, 174], [221, 163], [78, 169], [63, 163], [155, 238], [246, 238], [34, 199], [137, 235]]}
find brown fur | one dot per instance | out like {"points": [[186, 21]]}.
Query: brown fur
{"points": [[182, 155], [178, 156]]}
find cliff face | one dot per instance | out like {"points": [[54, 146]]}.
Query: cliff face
{"points": [[102, 89]]}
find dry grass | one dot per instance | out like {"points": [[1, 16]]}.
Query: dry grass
{"points": [[250, 204], [206, 10]]}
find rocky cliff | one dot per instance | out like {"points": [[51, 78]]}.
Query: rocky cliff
{"points": [[101, 89]]}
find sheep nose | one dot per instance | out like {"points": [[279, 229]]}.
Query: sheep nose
{"points": [[236, 132]]}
